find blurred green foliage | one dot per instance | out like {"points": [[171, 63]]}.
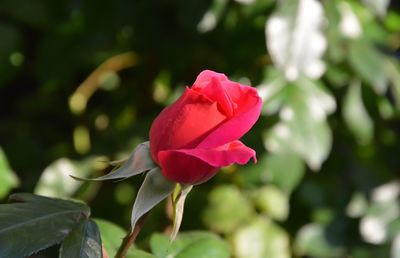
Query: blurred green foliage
{"points": [[81, 82]]}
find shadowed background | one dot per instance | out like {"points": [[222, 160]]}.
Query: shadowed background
{"points": [[81, 82]]}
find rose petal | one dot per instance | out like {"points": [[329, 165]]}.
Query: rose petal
{"points": [[217, 93], [205, 76], [182, 125], [249, 108], [186, 169], [225, 155]]}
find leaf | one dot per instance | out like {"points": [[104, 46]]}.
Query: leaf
{"points": [[39, 222], [111, 238], [83, 242], [55, 180], [111, 235], [355, 114], [284, 170], [227, 209], [294, 38], [376, 224], [273, 202], [311, 241], [369, 64], [136, 253], [392, 68], [139, 161], [154, 189], [8, 179], [303, 128], [273, 91], [190, 245], [160, 245], [179, 204], [259, 239]]}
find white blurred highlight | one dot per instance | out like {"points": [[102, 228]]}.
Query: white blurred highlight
{"points": [[373, 230], [386, 192], [349, 24], [296, 46]]}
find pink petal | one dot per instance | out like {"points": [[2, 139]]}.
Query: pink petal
{"points": [[249, 108], [214, 90], [185, 123], [225, 155], [205, 76], [182, 168]]}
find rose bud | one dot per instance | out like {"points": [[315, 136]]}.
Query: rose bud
{"points": [[199, 133]]}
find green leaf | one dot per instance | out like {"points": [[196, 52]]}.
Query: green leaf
{"points": [[190, 245], [273, 91], [8, 179], [83, 242], [392, 21], [392, 68], [136, 253], [284, 170], [160, 245], [311, 241], [369, 64], [38, 222], [154, 189], [273, 202], [111, 238], [357, 205], [139, 161], [227, 209], [303, 128], [260, 239], [111, 235], [355, 114]]}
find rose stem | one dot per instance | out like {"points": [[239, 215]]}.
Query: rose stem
{"points": [[130, 238]]}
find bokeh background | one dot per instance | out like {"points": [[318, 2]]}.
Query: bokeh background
{"points": [[81, 82]]}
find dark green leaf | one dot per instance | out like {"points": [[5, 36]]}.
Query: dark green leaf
{"points": [[33, 223], [83, 242]]}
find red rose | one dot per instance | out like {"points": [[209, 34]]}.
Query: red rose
{"points": [[195, 136]]}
